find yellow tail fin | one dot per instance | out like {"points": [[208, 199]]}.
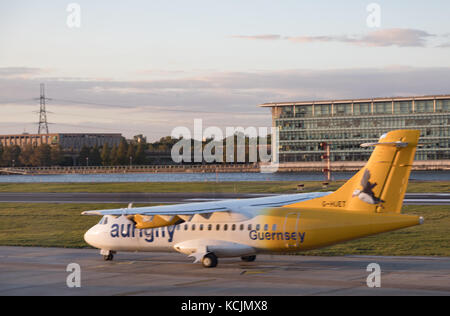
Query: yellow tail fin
{"points": [[381, 185]]}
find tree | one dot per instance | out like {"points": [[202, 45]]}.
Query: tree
{"points": [[131, 154], [83, 156], [140, 154], [56, 155], [122, 150], [95, 158], [11, 156], [41, 156], [26, 154], [113, 156], [106, 155]]}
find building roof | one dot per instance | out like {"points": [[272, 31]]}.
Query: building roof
{"points": [[389, 99], [61, 134]]}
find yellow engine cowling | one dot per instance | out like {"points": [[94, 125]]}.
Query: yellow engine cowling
{"points": [[144, 221]]}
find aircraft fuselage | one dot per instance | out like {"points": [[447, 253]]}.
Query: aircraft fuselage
{"points": [[275, 230]]}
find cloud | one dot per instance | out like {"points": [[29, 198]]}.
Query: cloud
{"points": [[237, 92], [379, 38], [22, 72], [267, 37], [219, 98], [444, 45], [395, 37], [311, 39]]}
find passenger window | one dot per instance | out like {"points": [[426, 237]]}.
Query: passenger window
{"points": [[201, 226], [193, 227], [218, 227], [249, 226], [106, 221], [241, 227], [274, 227], [266, 227], [186, 227], [257, 227], [225, 227], [209, 227], [233, 227]]}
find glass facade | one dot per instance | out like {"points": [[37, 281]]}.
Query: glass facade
{"points": [[346, 125]]}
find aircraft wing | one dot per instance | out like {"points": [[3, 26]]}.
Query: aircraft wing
{"points": [[166, 215]]}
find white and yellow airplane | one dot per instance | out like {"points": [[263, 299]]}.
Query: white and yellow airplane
{"points": [[369, 203]]}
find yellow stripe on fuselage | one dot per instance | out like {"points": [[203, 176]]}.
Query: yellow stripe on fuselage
{"points": [[306, 229]]}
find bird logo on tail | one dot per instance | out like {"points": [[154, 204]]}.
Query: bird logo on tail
{"points": [[366, 194]]}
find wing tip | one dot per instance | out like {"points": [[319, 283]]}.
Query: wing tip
{"points": [[90, 213]]}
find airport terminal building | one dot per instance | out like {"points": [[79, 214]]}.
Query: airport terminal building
{"points": [[345, 124]]}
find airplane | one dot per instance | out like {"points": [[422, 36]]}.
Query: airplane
{"points": [[367, 204]]}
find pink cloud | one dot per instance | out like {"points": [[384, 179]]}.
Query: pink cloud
{"points": [[379, 38]]}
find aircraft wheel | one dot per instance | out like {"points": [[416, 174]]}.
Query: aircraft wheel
{"points": [[210, 260], [248, 258], [109, 257]]}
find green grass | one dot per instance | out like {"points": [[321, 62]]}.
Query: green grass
{"points": [[46, 225], [230, 187], [61, 225]]}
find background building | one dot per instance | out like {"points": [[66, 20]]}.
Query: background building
{"points": [[68, 142], [345, 124]]}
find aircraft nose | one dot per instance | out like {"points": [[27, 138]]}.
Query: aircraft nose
{"points": [[88, 237], [91, 236]]}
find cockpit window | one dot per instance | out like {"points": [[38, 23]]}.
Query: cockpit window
{"points": [[103, 221]]}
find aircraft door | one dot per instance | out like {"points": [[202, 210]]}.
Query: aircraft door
{"points": [[290, 230]]}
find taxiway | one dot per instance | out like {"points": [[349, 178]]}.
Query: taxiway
{"points": [[42, 271]]}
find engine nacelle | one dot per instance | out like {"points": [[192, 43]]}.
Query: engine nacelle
{"points": [[220, 248]]}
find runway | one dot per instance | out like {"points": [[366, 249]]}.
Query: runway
{"points": [[159, 198], [42, 271], [174, 198]]}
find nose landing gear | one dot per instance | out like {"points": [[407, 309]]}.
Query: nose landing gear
{"points": [[108, 255]]}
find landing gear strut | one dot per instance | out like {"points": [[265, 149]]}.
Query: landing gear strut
{"points": [[248, 258], [107, 255], [210, 260]]}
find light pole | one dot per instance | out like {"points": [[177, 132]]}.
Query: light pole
{"points": [[87, 161], [131, 161]]}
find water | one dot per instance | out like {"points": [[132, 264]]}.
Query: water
{"points": [[201, 177]]}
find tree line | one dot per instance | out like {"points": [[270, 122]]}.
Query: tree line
{"points": [[125, 153], [45, 155], [31, 156]]}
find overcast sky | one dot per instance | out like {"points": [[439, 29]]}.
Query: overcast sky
{"points": [[149, 66]]}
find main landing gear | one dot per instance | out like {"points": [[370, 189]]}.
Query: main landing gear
{"points": [[248, 258], [210, 260]]}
